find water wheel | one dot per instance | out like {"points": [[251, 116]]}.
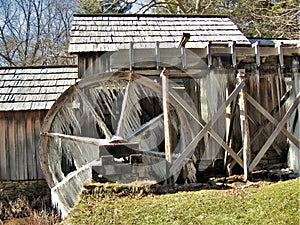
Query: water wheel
{"points": [[112, 123]]}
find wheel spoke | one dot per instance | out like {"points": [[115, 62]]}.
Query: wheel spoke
{"points": [[98, 119], [120, 126], [153, 122], [87, 140]]}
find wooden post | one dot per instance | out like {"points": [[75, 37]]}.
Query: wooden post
{"points": [[245, 128], [209, 56], [157, 55], [131, 56], [183, 58], [257, 53], [280, 54], [167, 126], [233, 53]]}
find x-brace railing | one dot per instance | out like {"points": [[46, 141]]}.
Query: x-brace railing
{"points": [[279, 128], [261, 126], [206, 128]]}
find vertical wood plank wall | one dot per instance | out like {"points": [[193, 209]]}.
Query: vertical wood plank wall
{"points": [[19, 145]]}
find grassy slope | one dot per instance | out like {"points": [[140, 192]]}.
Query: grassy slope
{"points": [[273, 204]]}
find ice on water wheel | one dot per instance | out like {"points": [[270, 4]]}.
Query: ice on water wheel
{"points": [[110, 116]]}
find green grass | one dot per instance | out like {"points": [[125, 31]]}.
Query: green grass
{"points": [[272, 204]]}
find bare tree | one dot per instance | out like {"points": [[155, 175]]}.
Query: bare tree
{"points": [[105, 6], [34, 32], [268, 19]]}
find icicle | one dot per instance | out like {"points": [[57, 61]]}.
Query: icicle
{"points": [[79, 153], [131, 111], [216, 94], [66, 120], [64, 195], [55, 156]]}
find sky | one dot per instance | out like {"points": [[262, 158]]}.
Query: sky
{"points": [[137, 6]]}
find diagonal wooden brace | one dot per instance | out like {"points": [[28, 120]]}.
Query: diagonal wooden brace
{"points": [[188, 151], [278, 129], [264, 123], [272, 120]]}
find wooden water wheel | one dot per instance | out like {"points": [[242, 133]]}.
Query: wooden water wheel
{"points": [[114, 124]]}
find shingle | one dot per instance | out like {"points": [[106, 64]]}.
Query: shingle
{"points": [[38, 105], [100, 33], [34, 88]]}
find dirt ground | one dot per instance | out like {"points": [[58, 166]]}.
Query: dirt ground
{"points": [[20, 199]]}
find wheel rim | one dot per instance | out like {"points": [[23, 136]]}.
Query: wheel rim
{"points": [[69, 121]]}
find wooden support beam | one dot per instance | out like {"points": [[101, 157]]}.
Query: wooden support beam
{"points": [[131, 56], [157, 55], [257, 53], [203, 124], [263, 132], [278, 45], [233, 53], [183, 104], [245, 127], [183, 58], [167, 126], [283, 100], [264, 112], [233, 113], [209, 55], [278, 129]]}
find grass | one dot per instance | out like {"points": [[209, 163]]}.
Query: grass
{"points": [[271, 204]]}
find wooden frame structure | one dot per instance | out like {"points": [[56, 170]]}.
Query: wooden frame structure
{"points": [[249, 59]]}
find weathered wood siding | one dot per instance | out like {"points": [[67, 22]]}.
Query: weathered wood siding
{"points": [[19, 148]]}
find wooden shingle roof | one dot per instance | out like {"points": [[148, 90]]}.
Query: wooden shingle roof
{"points": [[113, 32], [33, 88]]}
